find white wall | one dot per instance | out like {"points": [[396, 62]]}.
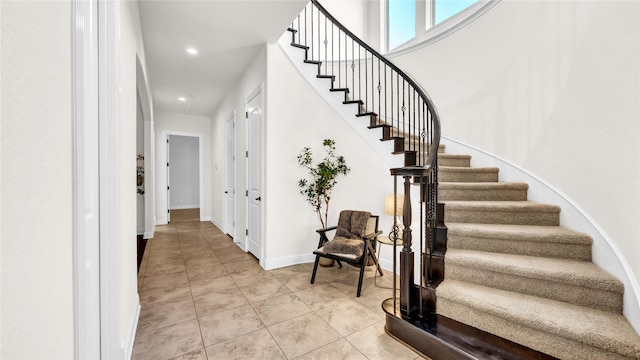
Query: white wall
{"points": [[298, 117], [235, 100], [36, 302], [184, 172], [165, 121], [547, 86], [131, 48]]}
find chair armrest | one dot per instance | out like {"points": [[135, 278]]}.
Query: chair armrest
{"points": [[372, 235], [326, 229]]}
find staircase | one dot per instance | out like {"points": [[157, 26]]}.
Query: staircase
{"points": [[517, 285], [514, 272]]}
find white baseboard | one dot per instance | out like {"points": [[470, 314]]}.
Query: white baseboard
{"points": [[140, 232], [217, 223], [183, 207], [148, 234], [128, 347], [161, 221], [270, 264]]}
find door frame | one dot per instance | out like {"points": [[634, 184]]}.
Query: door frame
{"points": [[200, 136], [230, 167], [259, 91], [95, 26]]}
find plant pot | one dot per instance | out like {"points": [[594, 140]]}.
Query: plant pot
{"points": [[324, 262]]}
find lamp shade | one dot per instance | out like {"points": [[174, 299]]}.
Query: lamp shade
{"points": [[388, 205]]}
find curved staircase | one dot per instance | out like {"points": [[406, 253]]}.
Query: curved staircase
{"points": [[514, 272], [517, 284]]}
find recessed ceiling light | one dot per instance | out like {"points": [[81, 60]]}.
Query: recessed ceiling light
{"points": [[182, 98], [192, 51]]}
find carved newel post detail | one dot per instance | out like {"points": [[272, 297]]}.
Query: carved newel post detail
{"points": [[406, 255]]}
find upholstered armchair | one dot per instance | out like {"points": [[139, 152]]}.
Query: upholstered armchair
{"points": [[354, 242]]}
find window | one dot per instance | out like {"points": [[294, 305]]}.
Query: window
{"points": [[401, 22], [444, 9], [406, 20]]}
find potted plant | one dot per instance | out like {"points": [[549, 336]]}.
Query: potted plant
{"points": [[322, 179]]}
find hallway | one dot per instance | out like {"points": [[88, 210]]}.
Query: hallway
{"points": [[204, 298]]}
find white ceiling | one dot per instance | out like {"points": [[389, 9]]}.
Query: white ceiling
{"points": [[227, 34]]}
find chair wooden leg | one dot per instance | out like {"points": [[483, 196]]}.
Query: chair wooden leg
{"points": [[375, 258], [315, 269], [362, 267]]}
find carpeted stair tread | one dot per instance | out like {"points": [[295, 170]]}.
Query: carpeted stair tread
{"points": [[502, 212], [518, 316], [571, 281], [483, 191], [532, 240], [467, 174], [531, 232]]}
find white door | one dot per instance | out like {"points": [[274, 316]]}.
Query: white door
{"points": [[254, 173], [168, 182], [87, 180], [230, 170]]}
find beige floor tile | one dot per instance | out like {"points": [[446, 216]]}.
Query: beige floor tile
{"points": [[375, 344], [164, 258], [199, 354], [153, 317], [234, 299], [280, 308], [241, 266], [373, 298], [289, 271], [168, 342], [164, 281], [163, 295], [251, 277], [164, 269], [206, 273], [347, 317], [337, 350], [201, 287], [321, 295], [300, 281], [205, 262], [225, 325], [302, 334], [219, 301], [256, 345], [266, 289]]}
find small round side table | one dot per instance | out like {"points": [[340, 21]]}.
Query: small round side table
{"points": [[386, 241]]}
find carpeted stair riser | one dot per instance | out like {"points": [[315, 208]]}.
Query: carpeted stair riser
{"points": [[501, 212], [598, 297], [557, 328], [552, 241], [556, 346], [464, 174], [454, 160], [482, 191]]}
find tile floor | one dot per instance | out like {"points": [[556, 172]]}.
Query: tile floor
{"points": [[204, 298]]}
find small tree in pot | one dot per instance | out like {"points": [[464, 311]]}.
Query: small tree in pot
{"points": [[318, 188]]}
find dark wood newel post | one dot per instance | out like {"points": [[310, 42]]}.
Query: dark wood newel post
{"points": [[406, 255]]}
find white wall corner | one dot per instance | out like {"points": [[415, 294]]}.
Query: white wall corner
{"points": [[148, 234], [161, 221], [128, 346]]}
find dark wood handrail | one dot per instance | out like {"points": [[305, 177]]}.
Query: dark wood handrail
{"points": [[433, 151]]}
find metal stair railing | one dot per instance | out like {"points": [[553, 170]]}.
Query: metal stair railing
{"points": [[396, 103]]}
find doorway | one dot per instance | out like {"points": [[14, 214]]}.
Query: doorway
{"points": [[230, 171], [184, 172], [255, 119]]}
